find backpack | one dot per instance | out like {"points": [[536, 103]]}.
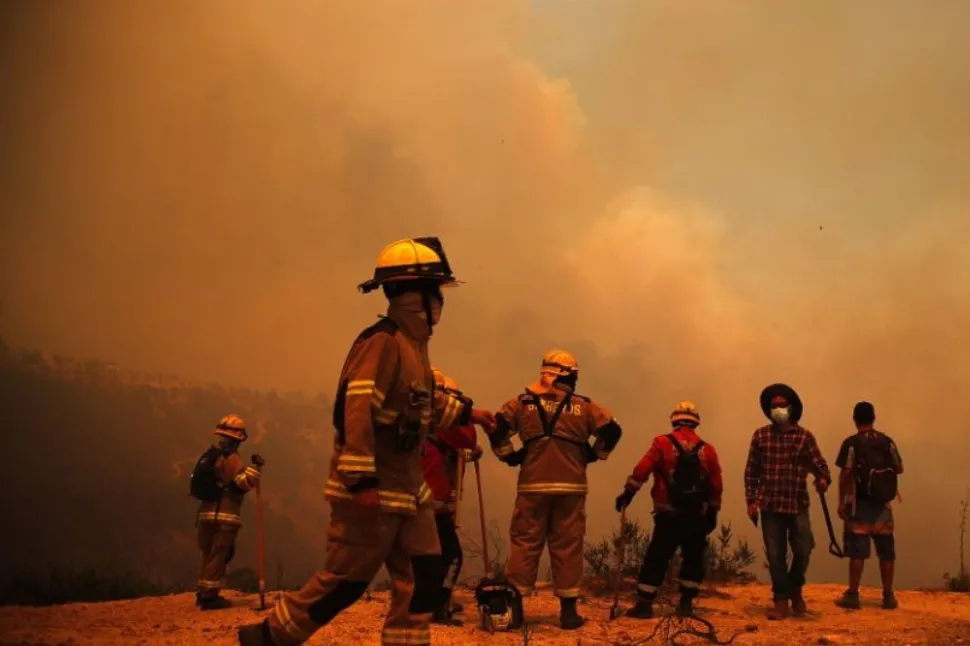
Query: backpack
{"points": [[204, 482], [690, 487], [875, 470]]}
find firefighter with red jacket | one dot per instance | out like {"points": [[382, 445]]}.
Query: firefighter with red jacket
{"points": [[687, 489], [446, 449]]}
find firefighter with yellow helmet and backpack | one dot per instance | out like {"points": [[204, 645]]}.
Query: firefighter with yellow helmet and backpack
{"points": [[219, 481], [687, 488], [556, 426], [381, 511]]}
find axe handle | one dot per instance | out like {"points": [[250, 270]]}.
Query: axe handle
{"points": [[481, 516], [260, 547], [620, 553], [458, 486]]}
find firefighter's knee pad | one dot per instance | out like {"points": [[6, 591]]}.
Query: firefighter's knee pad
{"points": [[429, 576], [322, 611]]}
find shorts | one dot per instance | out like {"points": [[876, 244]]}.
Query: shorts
{"points": [[858, 546]]}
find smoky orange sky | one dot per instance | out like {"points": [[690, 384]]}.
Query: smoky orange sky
{"points": [[696, 199]]}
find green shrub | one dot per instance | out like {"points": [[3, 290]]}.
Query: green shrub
{"points": [[66, 585], [957, 583], [243, 580], [727, 559]]}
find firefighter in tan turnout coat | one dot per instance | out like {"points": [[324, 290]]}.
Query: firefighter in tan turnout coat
{"points": [[381, 512], [555, 426], [218, 520]]}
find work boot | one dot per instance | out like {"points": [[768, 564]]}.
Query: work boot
{"points": [[798, 606], [779, 610], [569, 619], [849, 600], [214, 603], [685, 608], [255, 635], [643, 610], [442, 617], [889, 600]]}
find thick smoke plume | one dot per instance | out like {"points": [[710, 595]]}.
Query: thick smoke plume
{"points": [[696, 200]]}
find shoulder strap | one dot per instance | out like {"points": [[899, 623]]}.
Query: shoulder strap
{"points": [[677, 445], [559, 409], [548, 425]]}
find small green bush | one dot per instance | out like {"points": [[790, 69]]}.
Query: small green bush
{"points": [[957, 583], [81, 585], [727, 560], [243, 580]]}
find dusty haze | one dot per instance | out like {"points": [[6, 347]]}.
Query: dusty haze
{"points": [[696, 199]]}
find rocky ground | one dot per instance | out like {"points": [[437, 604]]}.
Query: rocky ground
{"points": [[922, 618]]}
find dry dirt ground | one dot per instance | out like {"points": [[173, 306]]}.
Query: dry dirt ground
{"points": [[922, 618]]}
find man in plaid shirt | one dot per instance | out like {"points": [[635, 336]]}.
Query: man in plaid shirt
{"points": [[781, 456]]}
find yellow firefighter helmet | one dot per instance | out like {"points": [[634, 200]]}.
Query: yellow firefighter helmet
{"points": [[411, 259], [685, 411], [439, 378], [560, 363], [232, 426], [452, 386]]}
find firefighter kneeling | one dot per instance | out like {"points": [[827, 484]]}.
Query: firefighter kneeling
{"points": [[555, 426], [686, 494]]}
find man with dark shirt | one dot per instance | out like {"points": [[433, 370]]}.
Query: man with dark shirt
{"points": [[780, 458], [868, 516]]}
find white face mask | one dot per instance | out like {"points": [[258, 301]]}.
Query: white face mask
{"points": [[780, 415]]}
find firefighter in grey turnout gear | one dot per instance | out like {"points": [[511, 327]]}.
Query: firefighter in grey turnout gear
{"points": [[555, 425]]}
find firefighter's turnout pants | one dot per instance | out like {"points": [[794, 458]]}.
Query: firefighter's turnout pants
{"points": [[357, 547], [217, 545], [560, 521], [672, 531], [451, 557]]}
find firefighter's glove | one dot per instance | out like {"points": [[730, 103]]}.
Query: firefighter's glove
{"points": [[367, 501], [476, 453], [591, 456], [623, 500], [483, 418], [258, 460], [710, 520], [517, 458]]}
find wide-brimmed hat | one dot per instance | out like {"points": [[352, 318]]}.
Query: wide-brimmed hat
{"points": [[781, 390]]}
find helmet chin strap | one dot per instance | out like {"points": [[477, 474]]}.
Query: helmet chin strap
{"points": [[426, 301]]}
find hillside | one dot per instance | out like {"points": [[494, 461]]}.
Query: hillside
{"points": [[96, 464], [923, 618]]}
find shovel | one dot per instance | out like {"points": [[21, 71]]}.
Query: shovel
{"points": [[834, 548], [616, 611]]}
